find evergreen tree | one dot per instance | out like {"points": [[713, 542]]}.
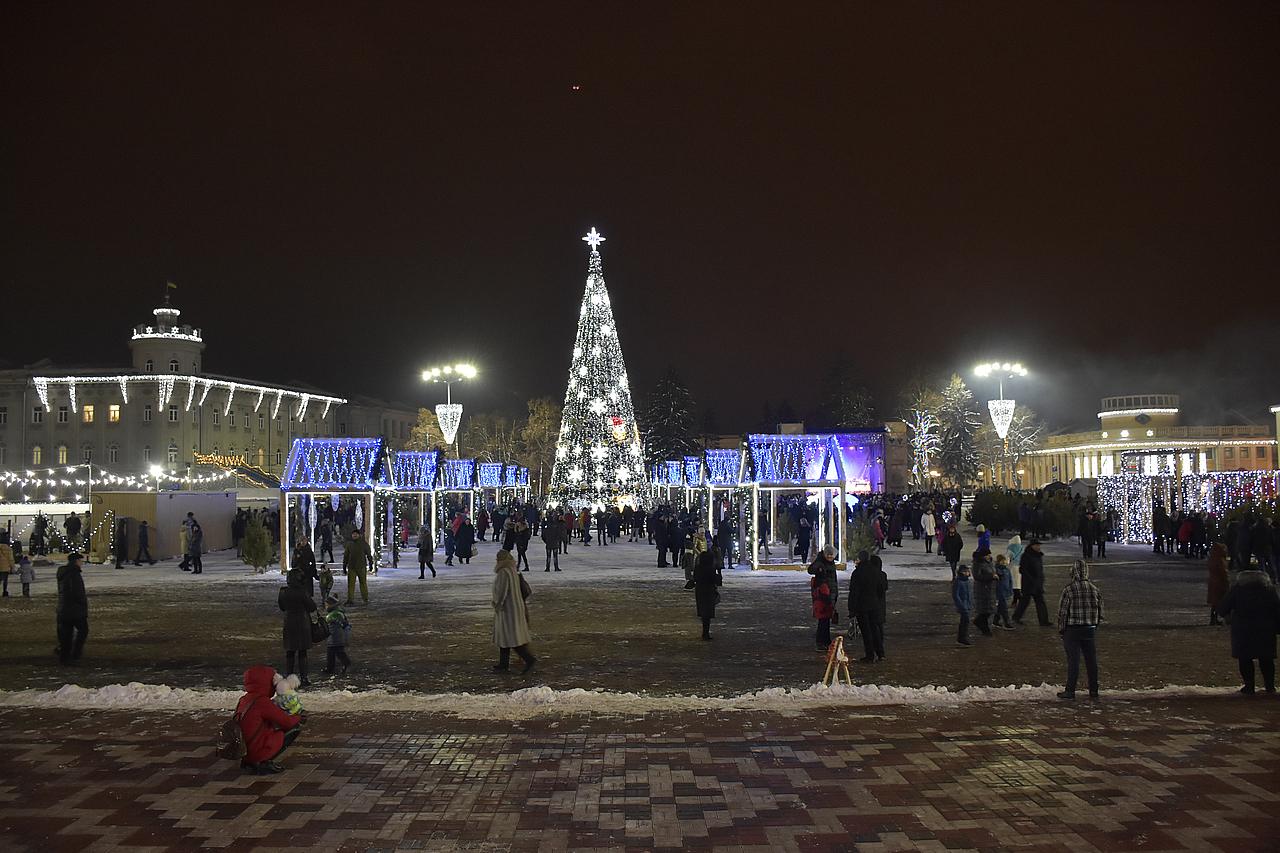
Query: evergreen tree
{"points": [[258, 551], [846, 405], [709, 428], [768, 419], [599, 455], [426, 434], [668, 420], [784, 414], [957, 439]]}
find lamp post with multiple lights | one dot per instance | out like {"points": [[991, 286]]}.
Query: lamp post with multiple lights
{"points": [[1001, 410], [449, 413]]}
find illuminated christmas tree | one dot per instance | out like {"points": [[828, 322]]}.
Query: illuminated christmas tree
{"points": [[599, 456]]}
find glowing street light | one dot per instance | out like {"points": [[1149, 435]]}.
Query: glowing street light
{"points": [[1002, 409], [157, 472], [449, 413]]}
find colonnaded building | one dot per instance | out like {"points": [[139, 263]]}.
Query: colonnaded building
{"points": [[1144, 434], [165, 410]]}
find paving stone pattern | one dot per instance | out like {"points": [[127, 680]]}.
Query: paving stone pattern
{"points": [[1117, 775]]}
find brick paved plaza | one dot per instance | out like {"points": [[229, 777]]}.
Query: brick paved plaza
{"points": [[1170, 758]]}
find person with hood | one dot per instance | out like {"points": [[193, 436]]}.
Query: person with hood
{"points": [[268, 729], [962, 597], [426, 552], [1031, 567], [1013, 550], [304, 560], [1079, 612], [824, 587], [868, 585], [464, 541], [73, 610], [1004, 591], [984, 538], [297, 606], [356, 560], [510, 615], [707, 580], [985, 580], [1219, 580], [950, 547], [1254, 607]]}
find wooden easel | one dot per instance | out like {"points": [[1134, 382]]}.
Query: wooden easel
{"points": [[837, 661]]}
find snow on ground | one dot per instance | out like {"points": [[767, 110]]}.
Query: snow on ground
{"points": [[540, 701]]}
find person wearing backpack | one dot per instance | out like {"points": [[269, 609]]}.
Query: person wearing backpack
{"points": [[267, 728]]}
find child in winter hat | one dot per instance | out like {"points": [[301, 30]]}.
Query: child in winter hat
{"points": [[287, 693], [339, 636]]}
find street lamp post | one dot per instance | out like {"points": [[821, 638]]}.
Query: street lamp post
{"points": [[449, 413], [1001, 410]]}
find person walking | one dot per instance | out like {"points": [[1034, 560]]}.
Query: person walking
{"points": [[6, 561], [950, 547], [1219, 580], [707, 580], [1004, 591], [356, 559], [658, 530], [868, 586], [144, 545], [73, 611], [326, 539], [962, 597], [1254, 607], [464, 541], [929, 527], [1031, 567], [523, 534], [1079, 612], [426, 552], [824, 586], [339, 637], [552, 530], [510, 615], [195, 547], [297, 607], [985, 579]]}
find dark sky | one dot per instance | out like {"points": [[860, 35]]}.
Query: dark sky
{"points": [[347, 193]]}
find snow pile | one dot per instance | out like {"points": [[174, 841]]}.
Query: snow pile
{"points": [[539, 701]]}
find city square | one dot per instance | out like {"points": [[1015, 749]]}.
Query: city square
{"points": [[732, 427]]}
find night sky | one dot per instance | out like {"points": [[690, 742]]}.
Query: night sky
{"points": [[345, 194]]}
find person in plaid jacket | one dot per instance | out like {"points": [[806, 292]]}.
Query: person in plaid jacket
{"points": [[1079, 612]]}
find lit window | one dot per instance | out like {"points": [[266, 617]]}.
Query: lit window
{"points": [[113, 413], [64, 414], [1228, 453], [173, 414], [62, 454], [36, 455], [262, 457], [88, 414], [37, 415], [1244, 453]]}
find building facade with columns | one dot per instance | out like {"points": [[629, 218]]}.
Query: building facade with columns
{"points": [[165, 411], [1144, 434]]}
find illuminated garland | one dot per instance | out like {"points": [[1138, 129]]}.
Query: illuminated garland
{"points": [[723, 466], [328, 464], [1135, 496]]}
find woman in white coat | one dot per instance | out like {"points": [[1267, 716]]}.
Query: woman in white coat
{"points": [[510, 615]]}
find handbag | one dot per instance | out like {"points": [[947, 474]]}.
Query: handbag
{"points": [[525, 591], [319, 630], [231, 744], [475, 550]]}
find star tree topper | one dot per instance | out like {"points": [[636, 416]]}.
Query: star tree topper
{"points": [[593, 239]]}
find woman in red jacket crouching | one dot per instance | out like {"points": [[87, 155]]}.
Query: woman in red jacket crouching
{"points": [[267, 728]]}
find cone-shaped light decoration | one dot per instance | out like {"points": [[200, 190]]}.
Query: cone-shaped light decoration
{"points": [[450, 416], [1001, 415]]}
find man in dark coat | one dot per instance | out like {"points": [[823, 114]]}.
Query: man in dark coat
{"points": [[658, 530], [296, 604], [676, 535], [73, 610], [706, 582], [1254, 607], [1031, 568], [867, 588], [144, 545]]}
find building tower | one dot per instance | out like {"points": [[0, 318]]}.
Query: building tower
{"points": [[599, 455], [166, 346]]}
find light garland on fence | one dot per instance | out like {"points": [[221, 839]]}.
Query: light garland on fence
{"points": [[598, 459]]}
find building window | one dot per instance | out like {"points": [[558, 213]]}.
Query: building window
{"points": [[36, 455], [342, 428], [173, 365], [262, 423], [278, 458], [279, 424], [86, 453], [231, 418], [113, 414], [146, 454], [304, 426], [215, 418], [293, 425], [173, 414], [64, 415], [4, 414], [1244, 453], [146, 412], [87, 414], [173, 454], [262, 457], [113, 454], [62, 454], [37, 415], [1228, 453], [149, 366], [1208, 454], [195, 415], [3, 458], [1261, 453]]}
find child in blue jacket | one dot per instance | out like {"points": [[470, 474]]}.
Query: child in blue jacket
{"points": [[962, 595]]}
